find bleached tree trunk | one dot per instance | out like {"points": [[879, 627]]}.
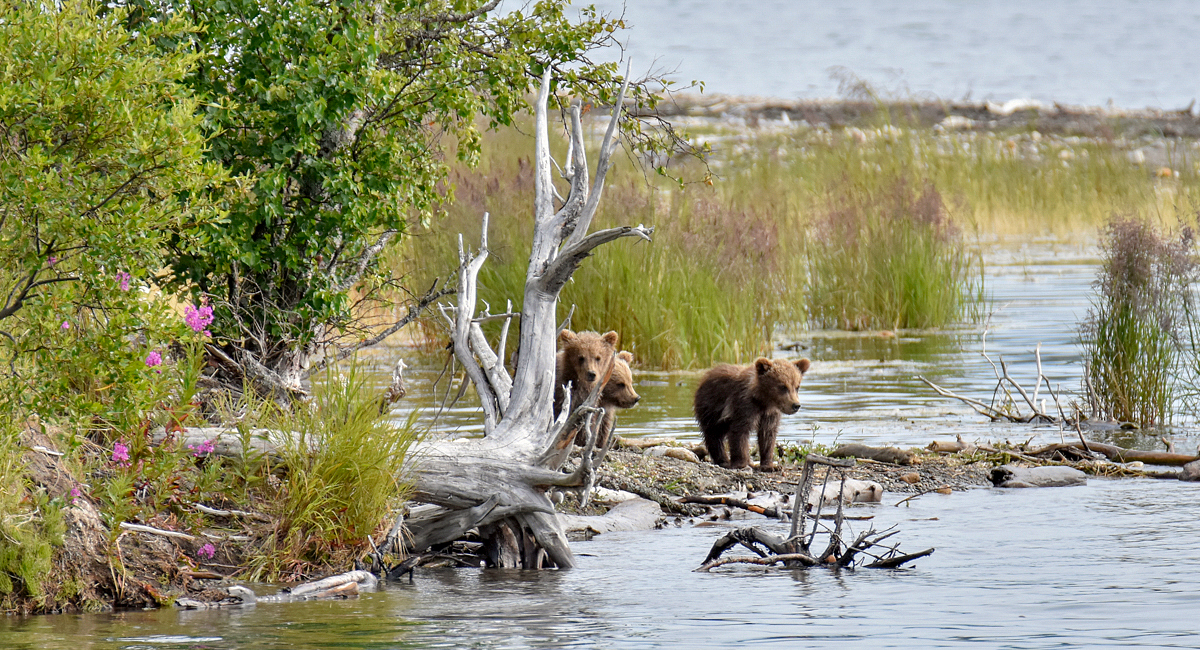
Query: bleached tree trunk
{"points": [[524, 448]]}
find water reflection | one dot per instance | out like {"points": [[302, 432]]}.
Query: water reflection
{"points": [[1110, 563]]}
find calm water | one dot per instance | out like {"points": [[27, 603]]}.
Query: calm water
{"points": [[1115, 563], [1136, 54]]}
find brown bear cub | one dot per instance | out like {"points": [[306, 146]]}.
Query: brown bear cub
{"points": [[733, 400], [582, 360], [618, 394]]}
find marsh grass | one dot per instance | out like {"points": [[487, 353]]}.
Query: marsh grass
{"points": [[712, 286], [343, 465], [1002, 184], [733, 265], [889, 259], [1133, 339]]}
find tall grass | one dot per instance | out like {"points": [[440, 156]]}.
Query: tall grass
{"points": [[1016, 183], [342, 478], [889, 259], [731, 265], [1133, 336], [717, 279]]}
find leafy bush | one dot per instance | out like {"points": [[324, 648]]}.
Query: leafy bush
{"points": [[1133, 337]]}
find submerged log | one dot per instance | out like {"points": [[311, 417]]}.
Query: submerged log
{"points": [[1012, 476]]}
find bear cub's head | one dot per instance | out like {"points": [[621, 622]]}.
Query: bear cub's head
{"points": [[586, 354], [619, 390], [777, 382]]}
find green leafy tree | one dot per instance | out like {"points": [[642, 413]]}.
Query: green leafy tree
{"points": [[338, 116]]}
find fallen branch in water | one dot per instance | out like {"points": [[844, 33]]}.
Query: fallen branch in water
{"points": [[796, 550]]}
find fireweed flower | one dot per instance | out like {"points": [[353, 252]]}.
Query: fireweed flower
{"points": [[154, 359], [206, 552], [120, 454], [206, 447], [198, 318], [124, 279]]}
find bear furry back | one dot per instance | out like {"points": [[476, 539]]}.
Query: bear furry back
{"points": [[733, 400]]}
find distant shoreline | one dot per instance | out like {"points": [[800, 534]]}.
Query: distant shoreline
{"points": [[1014, 115]]}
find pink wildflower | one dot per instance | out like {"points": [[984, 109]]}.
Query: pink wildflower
{"points": [[153, 359], [206, 552], [66, 325], [53, 259], [120, 454], [198, 318], [206, 447], [75, 494], [124, 279]]}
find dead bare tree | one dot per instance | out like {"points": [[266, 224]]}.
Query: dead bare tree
{"points": [[524, 448]]}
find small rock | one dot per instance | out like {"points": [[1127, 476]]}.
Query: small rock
{"points": [[855, 491], [1190, 472], [678, 453]]}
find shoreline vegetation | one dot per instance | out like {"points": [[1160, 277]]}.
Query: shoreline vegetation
{"points": [[959, 174]]}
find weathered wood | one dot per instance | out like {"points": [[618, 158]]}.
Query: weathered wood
{"points": [[520, 455], [1012, 476], [1122, 455], [633, 514]]}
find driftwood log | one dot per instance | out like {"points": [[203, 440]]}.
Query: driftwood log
{"points": [[524, 448]]}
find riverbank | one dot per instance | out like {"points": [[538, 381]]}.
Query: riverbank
{"points": [[1015, 115]]}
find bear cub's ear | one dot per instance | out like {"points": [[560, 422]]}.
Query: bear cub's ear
{"points": [[626, 356], [762, 365], [567, 337], [612, 338], [802, 365]]}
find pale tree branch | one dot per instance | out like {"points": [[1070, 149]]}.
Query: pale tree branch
{"points": [[607, 146], [414, 311], [572, 256], [468, 277], [364, 260]]}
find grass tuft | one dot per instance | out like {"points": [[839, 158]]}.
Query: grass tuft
{"points": [[889, 259], [342, 478], [1132, 339]]}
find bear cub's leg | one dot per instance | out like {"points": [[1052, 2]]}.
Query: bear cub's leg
{"points": [[768, 431]]}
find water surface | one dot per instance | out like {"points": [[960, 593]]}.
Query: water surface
{"points": [[1136, 54], [1115, 563]]}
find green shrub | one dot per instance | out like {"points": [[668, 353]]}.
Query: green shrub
{"points": [[31, 525]]}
